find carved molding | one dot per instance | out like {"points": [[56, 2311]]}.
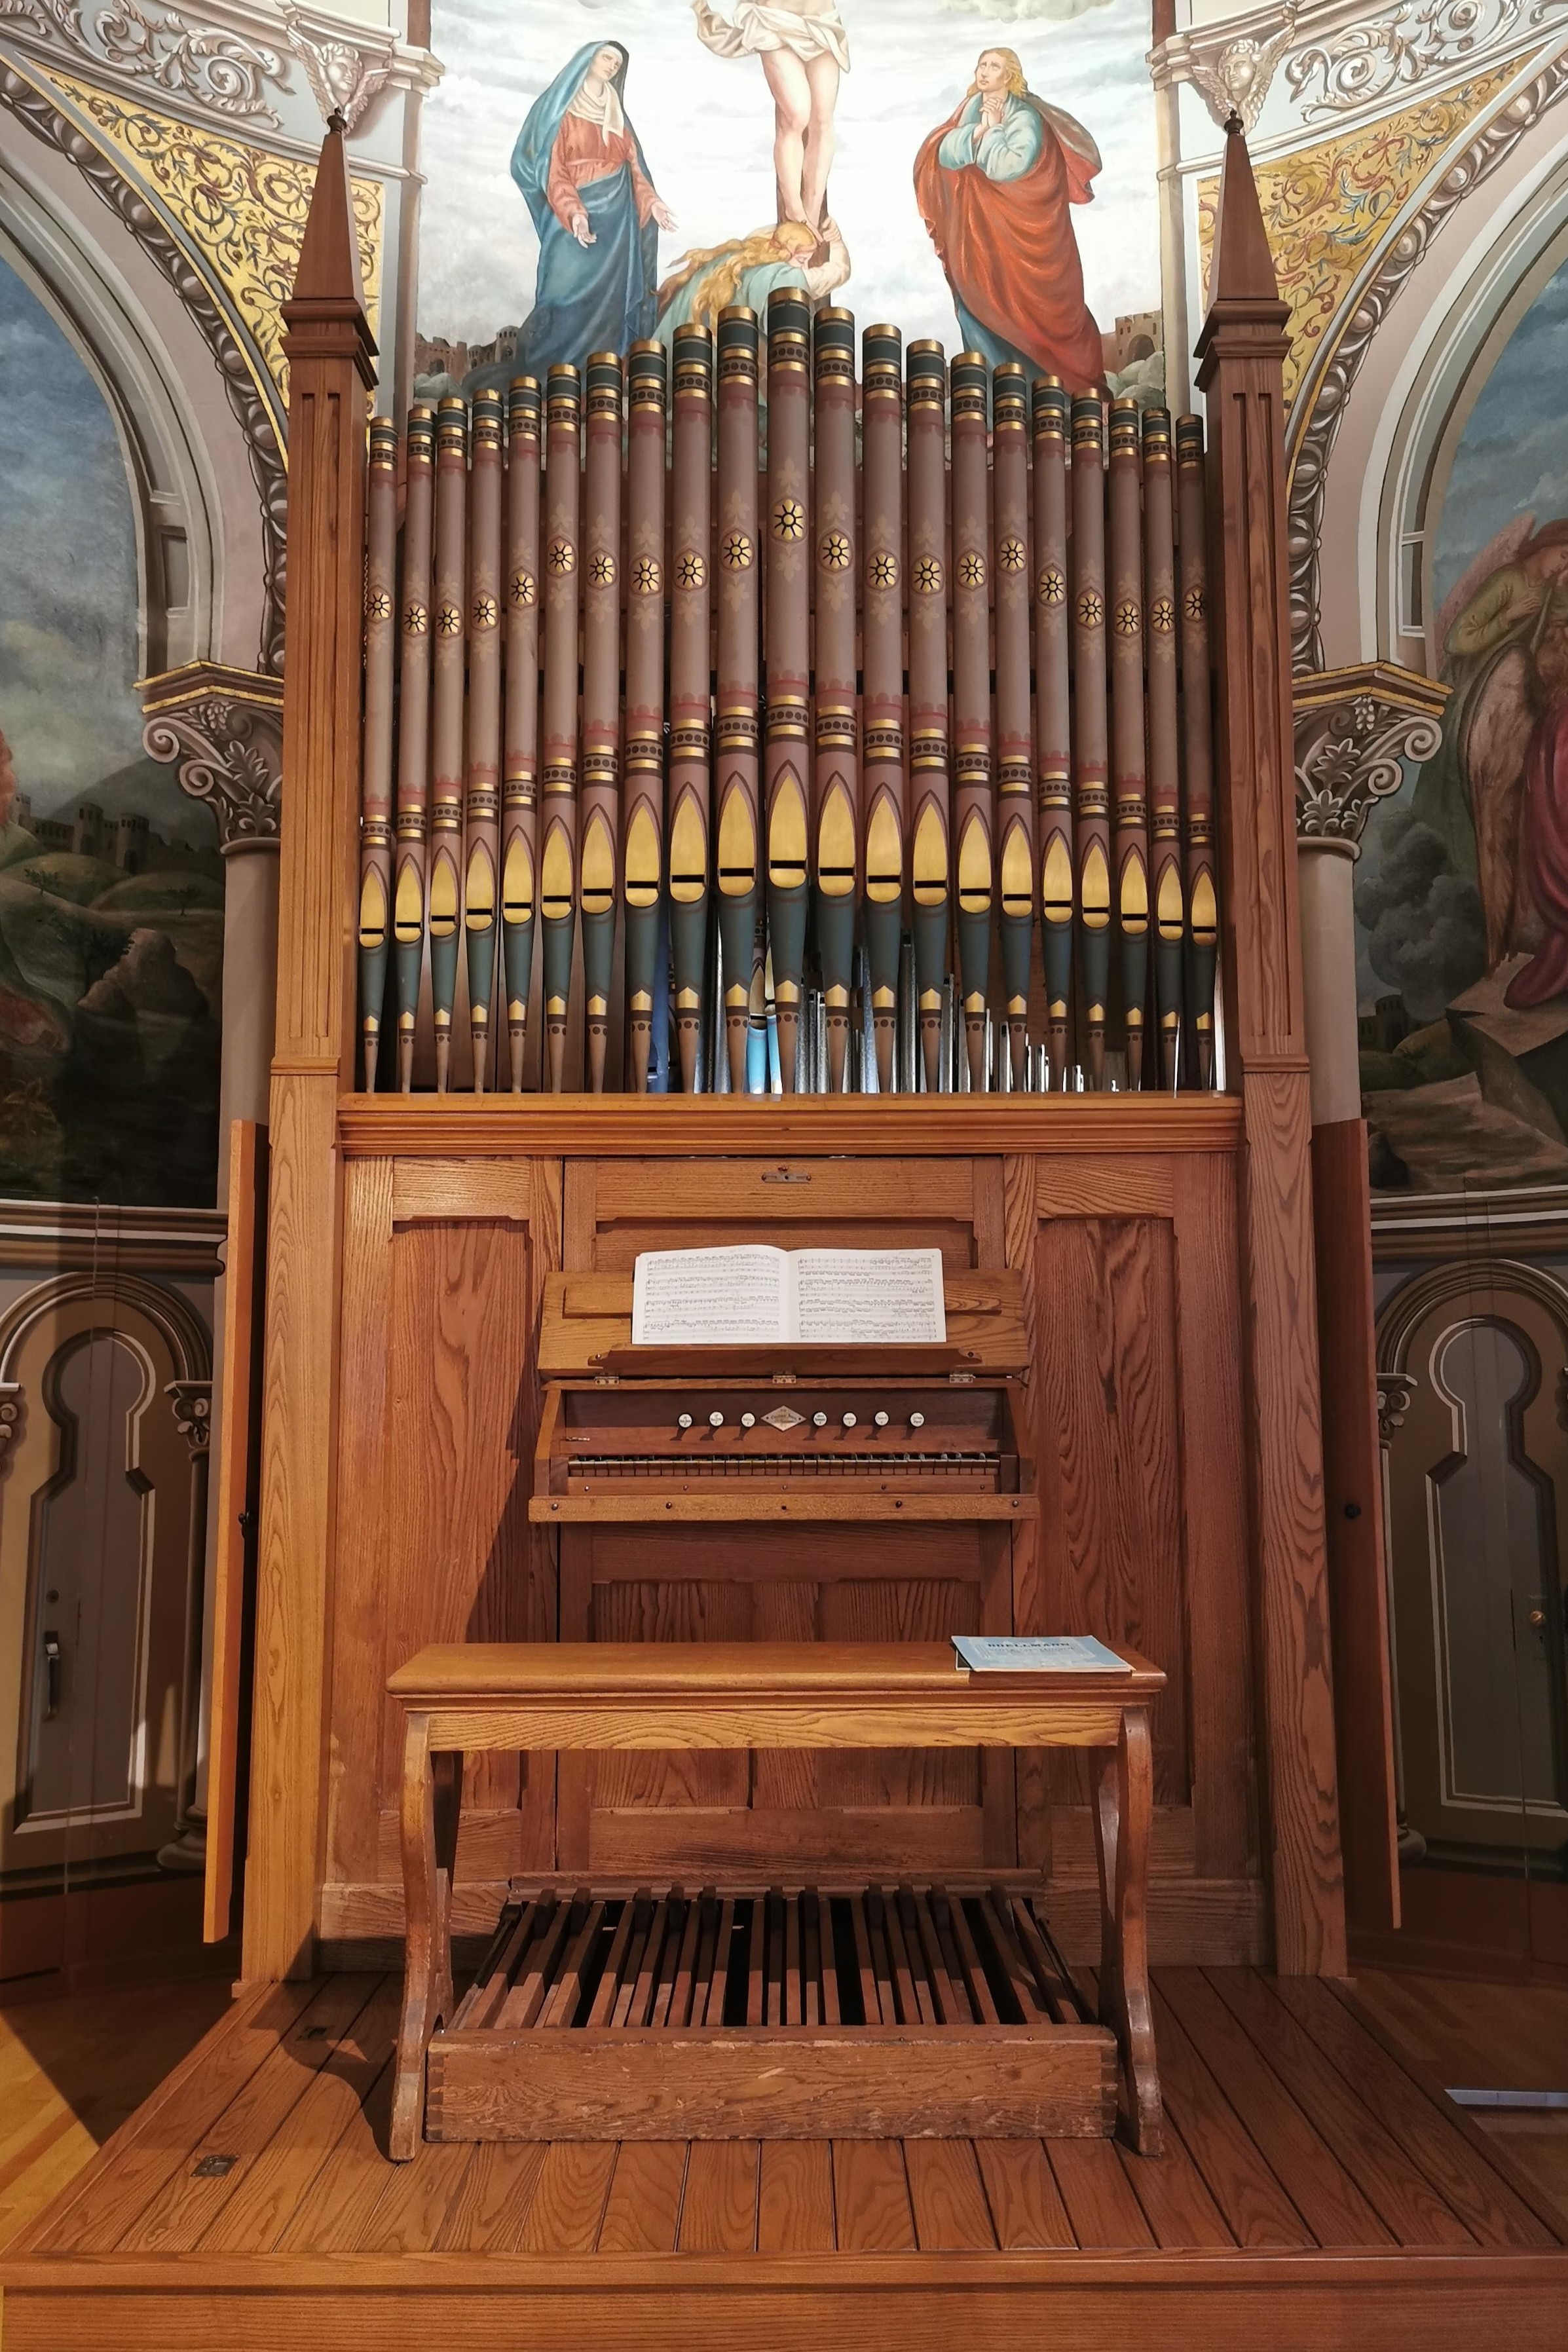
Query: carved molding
{"points": [[344, 75], [1478, 157], [48, 122], [206, 65], [192, 1404], [12, 1404], [1353, 728], [223, 731], [1362, 64], [209, 66], [1231, 77]]}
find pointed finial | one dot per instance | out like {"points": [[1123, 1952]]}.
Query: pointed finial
{"points": [[1234, 125], [335, 121]]}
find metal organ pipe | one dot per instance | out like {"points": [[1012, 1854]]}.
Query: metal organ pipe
{"points": [[923, 666]]}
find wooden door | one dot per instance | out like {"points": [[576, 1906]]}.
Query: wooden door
{"points": [[797, 1813]]}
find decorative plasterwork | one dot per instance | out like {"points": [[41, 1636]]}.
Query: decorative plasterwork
{"points": [[223, 729], [1327, 207], [343, 75], [209, 66], [1394, 1391], [1353, 728], [193, 1405], [1235, 78], [256, 415], [1314, 432], [243, 208], [1362, 64]]}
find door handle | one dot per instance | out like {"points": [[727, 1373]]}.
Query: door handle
{"points": [[52, 1668]]}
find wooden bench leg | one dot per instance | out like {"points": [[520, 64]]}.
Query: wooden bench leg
{"points": [[432, 1788], [1123, 1816]]}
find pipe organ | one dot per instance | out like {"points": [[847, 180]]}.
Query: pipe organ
{"points": [[786, 712]]}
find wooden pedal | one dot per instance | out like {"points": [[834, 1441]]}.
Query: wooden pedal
{"points": [[927, 2012]]}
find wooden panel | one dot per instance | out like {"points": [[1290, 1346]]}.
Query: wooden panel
{"points": [[1352, 1495], [616, 1208], [436, 1437], [1110, 1533], [238, 1479], [678, 1127]]}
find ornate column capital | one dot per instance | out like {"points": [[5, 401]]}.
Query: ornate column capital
{"points": [[1353, 728], [223, 730], [193, 1404], [1394, 1390]]}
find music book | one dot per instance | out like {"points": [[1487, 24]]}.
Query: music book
{"points": [[753, 1295], [1041, 1654]]}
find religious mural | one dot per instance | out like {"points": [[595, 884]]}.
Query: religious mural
{"points": [[111, 900], [1462, 889], [983, 174]]}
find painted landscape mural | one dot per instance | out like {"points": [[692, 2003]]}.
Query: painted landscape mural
{"points": [[1462, 889], [608, 169], [111, 900]]}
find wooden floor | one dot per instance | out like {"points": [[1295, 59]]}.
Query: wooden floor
{"points": [[1319, 2190]]}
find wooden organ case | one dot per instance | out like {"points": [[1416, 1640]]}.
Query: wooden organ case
{"points": [[933, 837]]}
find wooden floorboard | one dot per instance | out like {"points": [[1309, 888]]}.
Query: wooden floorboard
{"points": [[1316, 2188]]}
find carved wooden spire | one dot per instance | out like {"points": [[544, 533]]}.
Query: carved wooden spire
{"points": [[327, 283], [1242, 270]]}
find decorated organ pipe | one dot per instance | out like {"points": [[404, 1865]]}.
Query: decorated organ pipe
{"points": [[986, 672], [558, 797], [642, 790], [786, 621], [520, 780], [599, 811], [1091, 827], [974, 810], [1166, 896], [1129, 770], [376, 785], [837, 858], [482, 813], [884, 781], [1197, 746], [414, 735], [690, 699], [738, 696], [926, 487], [448, 788], [1014, 749], [1053, 731]]}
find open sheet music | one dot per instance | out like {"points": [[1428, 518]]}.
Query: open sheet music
{"points": [[753, 1295]]}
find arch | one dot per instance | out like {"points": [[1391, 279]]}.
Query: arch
{"points": [[1410, 1305], [182, 1330], [166, 291]]}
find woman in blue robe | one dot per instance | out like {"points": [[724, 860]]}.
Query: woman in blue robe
{"points": [[580, 167]]}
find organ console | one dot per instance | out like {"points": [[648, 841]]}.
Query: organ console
{"points": [[936, 750]]}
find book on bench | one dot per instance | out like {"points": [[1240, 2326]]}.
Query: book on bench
{"points": [[754, 1295], [1037, 1654]]}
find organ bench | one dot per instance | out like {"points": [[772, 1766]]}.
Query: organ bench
{"points": [[936, 2013]]}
